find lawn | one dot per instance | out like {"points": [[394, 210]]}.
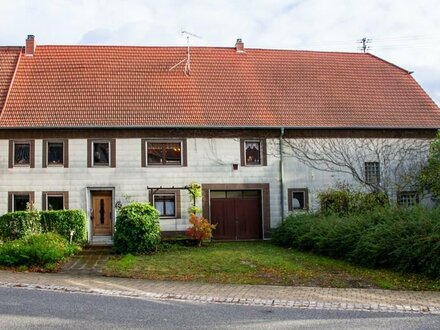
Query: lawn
{"points": [[258, 263]]}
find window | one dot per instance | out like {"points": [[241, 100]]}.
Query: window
{"points": [[21, 154], [253, 152], [167, 202], [298, 199], [161, 153], [372, 172], [55, 153], [101, 153], [53, 200], [18, 201], [407, 198], [166, 205]]}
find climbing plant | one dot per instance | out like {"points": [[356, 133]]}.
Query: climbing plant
{"points": [[195, 192]]}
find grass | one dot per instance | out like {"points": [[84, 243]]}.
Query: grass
{"points": [[259, 263]]}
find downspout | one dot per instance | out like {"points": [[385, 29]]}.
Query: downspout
{"points": [[281, 173]]}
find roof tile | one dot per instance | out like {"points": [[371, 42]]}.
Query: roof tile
{"points": [[95, 86]]}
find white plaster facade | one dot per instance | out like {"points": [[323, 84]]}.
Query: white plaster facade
{"points": [[209, 161]]}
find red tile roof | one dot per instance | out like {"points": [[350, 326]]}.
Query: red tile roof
{"points": [[8, 62], [101, 86]]}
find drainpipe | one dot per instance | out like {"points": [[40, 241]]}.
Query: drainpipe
{"points": [[281, 174]]}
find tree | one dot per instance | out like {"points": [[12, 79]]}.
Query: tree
{"points": [[429, 178], [399, 160]]}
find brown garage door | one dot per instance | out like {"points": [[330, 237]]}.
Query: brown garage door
{"points": [[237, 214]]}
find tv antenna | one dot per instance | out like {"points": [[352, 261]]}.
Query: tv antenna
{"points": [[187, 59], [365, 44]]}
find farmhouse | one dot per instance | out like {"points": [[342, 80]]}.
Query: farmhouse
{"points": [[90, 127]]}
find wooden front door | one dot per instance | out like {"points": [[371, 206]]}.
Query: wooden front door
{"points": [[102, 213]]}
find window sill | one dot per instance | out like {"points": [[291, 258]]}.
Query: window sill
{"points": [[160, 165], [22, 165]]}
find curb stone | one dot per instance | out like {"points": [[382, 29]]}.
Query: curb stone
{"points": [[419, 309]]}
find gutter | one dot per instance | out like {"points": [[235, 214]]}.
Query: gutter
{"points": [[222, 127], [281, 173]]}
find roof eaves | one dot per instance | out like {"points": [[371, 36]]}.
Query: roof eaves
{"points": [[227, 127]]}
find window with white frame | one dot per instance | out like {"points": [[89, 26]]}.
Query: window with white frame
{"points": [[55, 200], [101, 153], [165, 204], [372, 172], [253, 152], [298, 199]]}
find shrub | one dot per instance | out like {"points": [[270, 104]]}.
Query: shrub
{"points": [[200, 230], [404, 239], [344, 201], [137, 228], [428, 179], [63, 221], [19, 224], [41, 250]]}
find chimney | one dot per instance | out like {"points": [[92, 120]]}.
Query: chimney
{"points": [[29, 49], [239, 46]]}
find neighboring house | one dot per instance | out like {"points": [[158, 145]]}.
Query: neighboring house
{"points": [[83, 127]]}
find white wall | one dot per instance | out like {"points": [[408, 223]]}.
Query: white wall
{"points": [[209, 161]]}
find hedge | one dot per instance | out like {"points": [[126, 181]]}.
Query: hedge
{"points": [[403, 239], [20, 224], [62, 222]]}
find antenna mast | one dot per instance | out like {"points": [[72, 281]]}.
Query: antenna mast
{"points": [[364, 44], [187, 60]]}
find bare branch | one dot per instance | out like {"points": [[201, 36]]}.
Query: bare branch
{"points": [[399, 159]]}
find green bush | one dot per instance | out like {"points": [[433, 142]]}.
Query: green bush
{"points": [[63, 221], [41, 250], [18, 224], [428, 179], [137, 229], [344, 201], [404, 239]]}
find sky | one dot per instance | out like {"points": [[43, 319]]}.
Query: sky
{"points": [[403, 32]]}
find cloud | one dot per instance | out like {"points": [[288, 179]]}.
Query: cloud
{"points": [[403, 32]]}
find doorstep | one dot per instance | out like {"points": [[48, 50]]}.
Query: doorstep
{"points": [[101, 241]]}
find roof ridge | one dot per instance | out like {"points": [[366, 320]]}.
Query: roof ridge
{"points": [[206, 47]]}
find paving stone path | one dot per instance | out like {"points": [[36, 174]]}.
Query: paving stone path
{"points": [[296, 297], [88, 262]]}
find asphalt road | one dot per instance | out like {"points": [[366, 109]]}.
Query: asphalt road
{"points": [[38, 309]]}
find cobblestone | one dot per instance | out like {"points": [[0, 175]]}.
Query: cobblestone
{"points": [[425, 302]]}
